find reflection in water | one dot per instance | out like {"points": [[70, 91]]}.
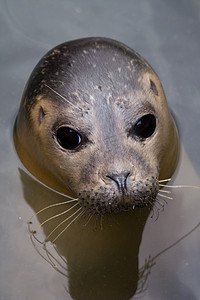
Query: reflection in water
{"points": [[98, 256], [101, 264], [151, 261]]}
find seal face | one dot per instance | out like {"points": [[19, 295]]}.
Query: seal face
{"points": [[94, 122]]}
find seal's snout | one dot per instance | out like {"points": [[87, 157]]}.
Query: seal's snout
{"points": [[120, 180], [121, 192]]}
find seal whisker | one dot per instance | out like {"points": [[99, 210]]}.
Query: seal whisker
{"points": [[62, 257], [182, 186], [88, 219], [47, 259], [61, 96], [60, 193], [101, 221], [52, 259], [155, 210], [161, 205], [156, 206], [62, 223], [96, 221], [164, 191], [162, 200], [33, 232], [49, 206], [82, 216], [155, 213], [151, 261], [171, 198], [55, 216], [78, 216], [164, 180]]}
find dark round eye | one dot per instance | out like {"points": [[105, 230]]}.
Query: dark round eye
{"points": [[68, 138], [145, 126]]}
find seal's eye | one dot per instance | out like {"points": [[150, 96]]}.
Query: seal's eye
{"points": [[68, 138], [145, 126]]}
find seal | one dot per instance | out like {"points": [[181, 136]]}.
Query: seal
{"points": [[94, 123]]}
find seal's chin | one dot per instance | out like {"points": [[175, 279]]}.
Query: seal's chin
{"points": [[106, 199]]}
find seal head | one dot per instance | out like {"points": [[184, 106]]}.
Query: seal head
{"points": [[94, 123]]}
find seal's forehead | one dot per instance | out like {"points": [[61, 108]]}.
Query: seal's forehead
{"points": [[86, 65], [102, 55], [98, 48]]}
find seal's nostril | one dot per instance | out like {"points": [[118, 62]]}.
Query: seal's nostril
{"points": [[120, 180]]}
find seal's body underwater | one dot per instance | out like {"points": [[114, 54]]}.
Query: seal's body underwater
{"points": [[94, 123]]}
